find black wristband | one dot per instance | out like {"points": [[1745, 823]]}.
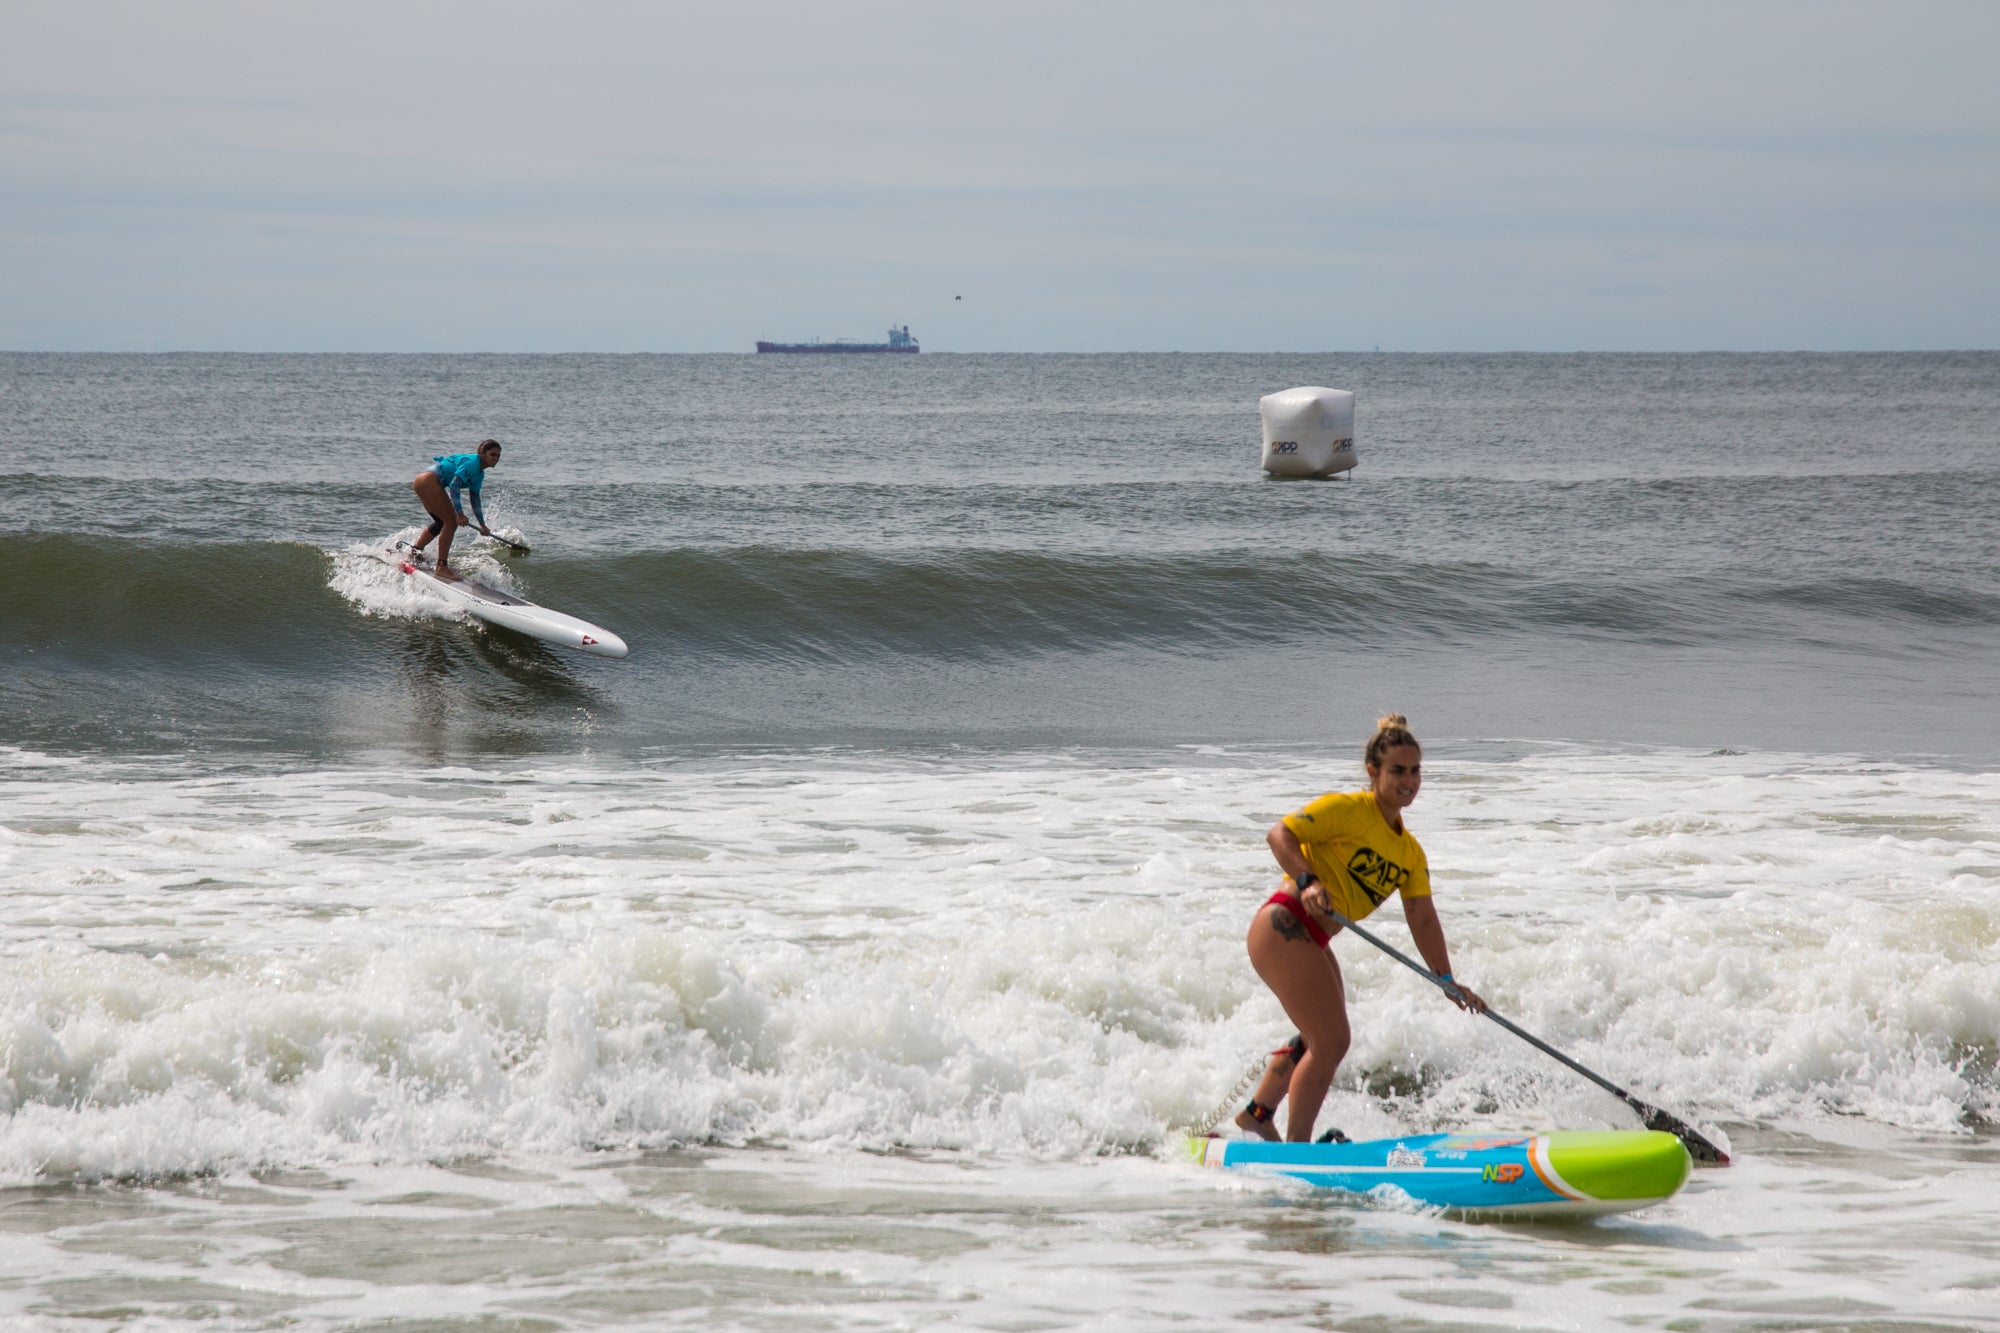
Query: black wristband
{"points": [[1304, 882]]}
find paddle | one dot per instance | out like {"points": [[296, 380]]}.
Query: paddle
{"points": [[1698, 1147], [504, 542]]}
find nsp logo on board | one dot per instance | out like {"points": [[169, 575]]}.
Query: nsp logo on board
{"points": [[1506, 1173]]}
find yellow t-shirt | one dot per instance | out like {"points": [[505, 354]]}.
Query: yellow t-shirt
{"points": [[1357, 856]]}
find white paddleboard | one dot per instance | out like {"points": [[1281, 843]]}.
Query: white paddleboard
{"points": [[516, 613]]}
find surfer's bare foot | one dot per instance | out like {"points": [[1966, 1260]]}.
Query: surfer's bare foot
{"points": [[1251, 1124]]}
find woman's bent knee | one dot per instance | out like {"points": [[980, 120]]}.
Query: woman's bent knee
{"points": [[1332, 1043]]}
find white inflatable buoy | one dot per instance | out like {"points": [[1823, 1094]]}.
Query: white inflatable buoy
{"points": [[1308, 432]]}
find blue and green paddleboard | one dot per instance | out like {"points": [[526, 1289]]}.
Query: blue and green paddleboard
{"points": [[1564, 1173]]}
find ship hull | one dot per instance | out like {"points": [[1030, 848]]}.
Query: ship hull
{"points": [[836, 347]]}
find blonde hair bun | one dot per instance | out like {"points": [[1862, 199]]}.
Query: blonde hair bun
{"points": [[1392, 730]]}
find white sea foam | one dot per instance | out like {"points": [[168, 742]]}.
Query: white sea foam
{"points": [[363, 575], [1039, 955]]}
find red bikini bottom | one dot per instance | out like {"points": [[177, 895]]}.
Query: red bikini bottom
{"points": [[1291, 903]]}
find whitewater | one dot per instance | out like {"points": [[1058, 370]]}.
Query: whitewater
{"points": [[1025, 968]]}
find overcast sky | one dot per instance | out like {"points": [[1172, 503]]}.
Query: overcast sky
{"points": [[1085, 176]]}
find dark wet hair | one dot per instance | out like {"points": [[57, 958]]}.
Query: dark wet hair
{"points": [[1390, 732], [482, 446]]}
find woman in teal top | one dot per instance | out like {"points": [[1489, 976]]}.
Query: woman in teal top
{"points": [[440, 487]]}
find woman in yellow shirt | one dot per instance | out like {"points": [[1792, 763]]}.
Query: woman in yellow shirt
{"points": [[1348, 851]]}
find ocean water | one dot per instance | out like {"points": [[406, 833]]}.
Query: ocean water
{"points": [[849, 956]]}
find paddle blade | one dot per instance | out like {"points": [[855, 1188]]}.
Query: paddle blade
{"points": [[1699, 1148]]}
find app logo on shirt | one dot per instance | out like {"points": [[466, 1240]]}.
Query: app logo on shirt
{"points": [[1375, 875]]}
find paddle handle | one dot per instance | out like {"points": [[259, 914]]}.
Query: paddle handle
{"points": [[1655, 1118]]}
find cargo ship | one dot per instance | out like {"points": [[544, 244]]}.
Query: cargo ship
{"points": [[899, 341]]}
